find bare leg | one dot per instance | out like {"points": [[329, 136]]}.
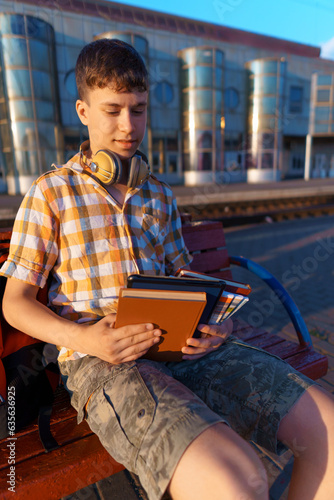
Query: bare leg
{"points": [[308, 429], [219, 464]]}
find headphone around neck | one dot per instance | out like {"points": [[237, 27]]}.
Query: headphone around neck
{"points": [[107, 166]]}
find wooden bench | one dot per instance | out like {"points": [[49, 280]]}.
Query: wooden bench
{"points": [[80, 459]]}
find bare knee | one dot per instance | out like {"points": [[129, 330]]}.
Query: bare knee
{"points": [[308, 429], [219, 464]]}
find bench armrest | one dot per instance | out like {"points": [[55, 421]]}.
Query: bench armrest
{"points": [[287, 301]]}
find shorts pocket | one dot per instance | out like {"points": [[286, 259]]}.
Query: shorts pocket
{"points": [[120, 413]]}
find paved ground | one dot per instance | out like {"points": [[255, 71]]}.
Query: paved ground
{"points": [[300, 254]]}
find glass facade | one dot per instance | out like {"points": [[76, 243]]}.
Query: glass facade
{"points": [[202, 71], [265, 114], [214, 108], [29, 122], [322, 105]]}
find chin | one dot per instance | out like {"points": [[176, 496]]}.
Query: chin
{"points": [[126, 155]]}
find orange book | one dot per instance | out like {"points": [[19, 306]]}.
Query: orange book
{"points": [[176, 313]]}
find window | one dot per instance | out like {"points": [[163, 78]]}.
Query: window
{"points": [[321, 128], [231, 96], [269, 66], [12, 24], [232, 140], [15, 52], [204, 161], [203, 100], [18, 83], [296, 99], [21, 109], [40, 56], [322, 113], [323, 95], [324, 79], [218, 78], [204, 139], [268, 105], [203, 76], [268, 84], [42, 85], [267, 160], [70, 84], [163, 92], [164, 154], [204, 120], [204, 56], [268, 141], [37, 28], [45, 111]]}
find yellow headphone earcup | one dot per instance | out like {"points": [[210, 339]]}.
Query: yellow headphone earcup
{"points": [[106, 167]]}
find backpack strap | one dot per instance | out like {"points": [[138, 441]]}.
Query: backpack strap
{"points": [[18, 356]]}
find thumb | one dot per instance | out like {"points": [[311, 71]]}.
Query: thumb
{"points": [[109, 319]]}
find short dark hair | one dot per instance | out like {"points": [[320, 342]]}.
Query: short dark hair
{"points": [[110, 62]]}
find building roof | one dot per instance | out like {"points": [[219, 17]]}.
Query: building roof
{"points": [[167, 22]]}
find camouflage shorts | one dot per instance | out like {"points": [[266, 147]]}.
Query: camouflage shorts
{"points": [[146, 418]]}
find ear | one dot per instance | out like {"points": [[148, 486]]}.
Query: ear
{"points": [[81, 109]]}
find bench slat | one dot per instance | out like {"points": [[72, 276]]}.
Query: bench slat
{"points": [[65, 432], [203, 236], [210, 261], [61, 472]]}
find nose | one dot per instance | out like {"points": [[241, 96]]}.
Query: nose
{"points": [[126, 122]]}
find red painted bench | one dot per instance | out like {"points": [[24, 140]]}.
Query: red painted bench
{"points": [[81, 460]]}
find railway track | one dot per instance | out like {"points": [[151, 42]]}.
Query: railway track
{"points": [[233, 213], [257, 211]]}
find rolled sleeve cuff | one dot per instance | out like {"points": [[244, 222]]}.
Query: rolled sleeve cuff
{"points": [[182, 260], [25, 271]]}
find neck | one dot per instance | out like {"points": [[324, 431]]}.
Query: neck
{"points": [[118, 192]]}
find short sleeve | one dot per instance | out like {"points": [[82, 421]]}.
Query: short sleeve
{"points": [[177, 254], [33, 248]]}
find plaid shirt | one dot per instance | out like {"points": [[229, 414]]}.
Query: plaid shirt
{"points": [[70, 226]]}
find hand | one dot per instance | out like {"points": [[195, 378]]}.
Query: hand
{"points": [[212, 337], [117, 345]]}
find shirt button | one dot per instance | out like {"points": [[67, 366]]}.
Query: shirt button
{"points": [[141, 413]]}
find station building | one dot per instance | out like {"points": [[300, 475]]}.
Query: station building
{"points": [[225, 105]]}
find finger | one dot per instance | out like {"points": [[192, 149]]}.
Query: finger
{"points": [[196, 356], [193, 350], [133, 330], [217, 330], [136, 351], [206, 342], [136, 338]]}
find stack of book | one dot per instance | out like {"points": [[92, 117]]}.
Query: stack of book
{"points": [[176, 305], [233, 297]]}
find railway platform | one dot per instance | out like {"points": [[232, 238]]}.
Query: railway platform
{"points": [[234, 202]]}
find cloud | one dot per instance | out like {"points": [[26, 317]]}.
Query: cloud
{"points": [[327, 49]]}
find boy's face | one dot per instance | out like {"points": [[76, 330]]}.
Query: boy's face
{"points": [[115, 120]]}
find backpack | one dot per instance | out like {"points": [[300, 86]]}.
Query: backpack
{"points": [[27, 382]]}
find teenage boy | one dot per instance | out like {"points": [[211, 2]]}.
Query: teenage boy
{"points": [[177, 425]]}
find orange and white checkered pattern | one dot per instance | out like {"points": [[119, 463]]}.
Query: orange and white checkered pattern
{"points": [[70, 226]]}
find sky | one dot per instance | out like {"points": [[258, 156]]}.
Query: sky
{"points": [[304, 21]]}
